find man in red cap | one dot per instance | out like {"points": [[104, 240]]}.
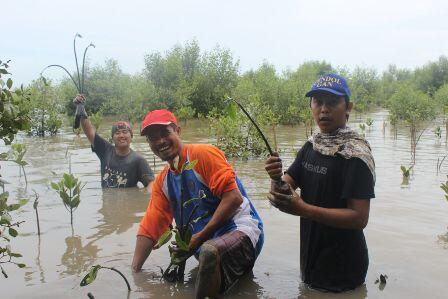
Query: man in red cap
{"points": [[227, 234], [120, 165]]}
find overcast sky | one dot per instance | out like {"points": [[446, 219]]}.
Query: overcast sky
{"points": [[285, 33]]}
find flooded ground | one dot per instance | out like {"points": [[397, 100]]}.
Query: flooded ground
{"points": [[407, 233]]}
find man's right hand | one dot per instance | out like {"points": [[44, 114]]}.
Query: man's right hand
{"points": [[273, 167], [79, 99]]}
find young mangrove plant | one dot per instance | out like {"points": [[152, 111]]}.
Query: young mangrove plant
{"points": [[96, 119], [406, 172], [18, 150], [69, 189], [438, 132], [35, 204], [8, 231], [182, 233], [363, 129], [369, 122], [444, 187], [80, 77], [91, 276]]}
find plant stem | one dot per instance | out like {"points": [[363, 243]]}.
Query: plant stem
{"points": [[256, 126], [38, 224], [83, 65], [76, 62], [121, 274], [68, 73]]}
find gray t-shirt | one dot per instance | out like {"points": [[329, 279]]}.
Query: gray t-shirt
{"points": [[120, 171]]}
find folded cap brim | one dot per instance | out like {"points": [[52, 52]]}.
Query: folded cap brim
{"points": [[324, 90]]}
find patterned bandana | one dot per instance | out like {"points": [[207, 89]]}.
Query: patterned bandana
{"points": [[346, 143]]}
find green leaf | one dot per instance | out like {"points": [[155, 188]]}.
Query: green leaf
{"points": [[403, 169], [201, 217], [9, 83], [13, 207], [91, 276], [15, 254], [55, 186], [65, 198], [12, 232], [166, 236], [181, 243], [3, 71], [75, 202], [231, 111], [21, 265]]}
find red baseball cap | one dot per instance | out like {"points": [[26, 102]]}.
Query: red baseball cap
{"points": [[157, 117]]}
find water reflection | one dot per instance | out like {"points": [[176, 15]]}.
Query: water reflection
{"points": [[151, 283], [442, 240], [121, 209], [307, 292], [78, 258]]}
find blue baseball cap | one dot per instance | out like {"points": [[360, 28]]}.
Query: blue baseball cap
{"points": [[330, 83]]}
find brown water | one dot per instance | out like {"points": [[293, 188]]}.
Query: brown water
{"points": [[407, 233]]}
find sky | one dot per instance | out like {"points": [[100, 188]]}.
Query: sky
{"points": [[285, 33]]}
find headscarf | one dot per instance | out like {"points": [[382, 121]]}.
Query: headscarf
{"points": [[346, 143]]}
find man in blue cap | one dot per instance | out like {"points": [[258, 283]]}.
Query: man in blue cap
{"points": [[335, 172]]}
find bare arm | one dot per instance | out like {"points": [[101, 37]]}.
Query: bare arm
{"points": [[88, 129], [230, 202], [143, 248]]}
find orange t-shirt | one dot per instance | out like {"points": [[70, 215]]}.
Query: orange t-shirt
{"points": [[211, 166]]}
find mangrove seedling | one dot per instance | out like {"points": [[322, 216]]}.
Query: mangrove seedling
{"points": [[91, 276], [18, 150], [444, 187], [80, 77], [69, 189], [35, 204], [369, 122], [363, 128], [438, 132], [406, 172], [278, 184], [182, 233], [8, 231], [96, 119]]}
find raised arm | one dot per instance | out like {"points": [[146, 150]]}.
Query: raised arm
{"points": [[87, 127]]}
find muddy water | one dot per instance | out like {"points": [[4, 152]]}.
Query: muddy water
{"points": [[407, 233]]}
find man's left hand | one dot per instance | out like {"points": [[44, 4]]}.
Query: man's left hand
{"points": [[196, 241], [291, 204]]}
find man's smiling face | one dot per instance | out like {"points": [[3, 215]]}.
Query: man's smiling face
{"points": [[164, 141]]}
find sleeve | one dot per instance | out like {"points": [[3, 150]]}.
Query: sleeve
{"points": [[358, 183], [214, 169], [145, 173], [158, 216], [100, 146], [294, 169]]}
